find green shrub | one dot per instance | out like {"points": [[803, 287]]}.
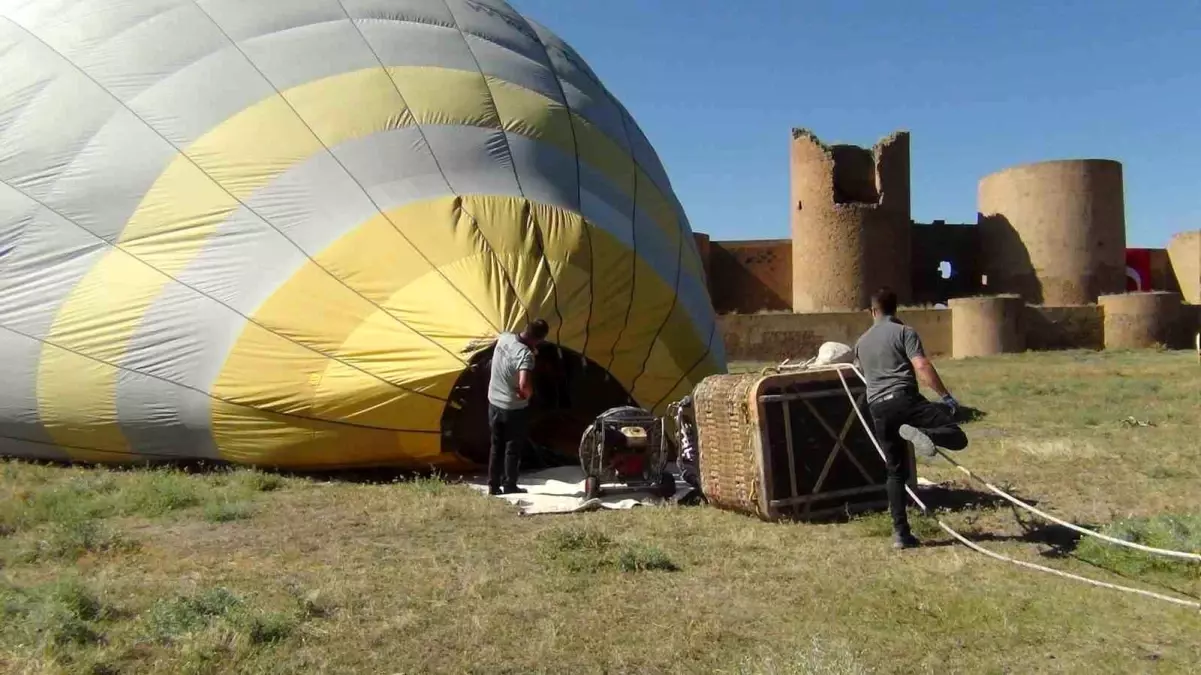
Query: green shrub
{"points": [[574, 539], [60, 614], [169, 619], [585, 550], [264, 628], [645, 559], [258, 481], [160, 492], [576, 549], [1167, 531], [226, 511], [72, 539]]}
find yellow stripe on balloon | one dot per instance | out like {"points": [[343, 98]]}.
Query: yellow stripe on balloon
{"points": [[77, 373], [678, 348], [266, 439], [529, 113], [270, 377], [569, 252]]}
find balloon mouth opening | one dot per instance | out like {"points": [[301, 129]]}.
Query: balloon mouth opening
{"points": [[570, 392]]}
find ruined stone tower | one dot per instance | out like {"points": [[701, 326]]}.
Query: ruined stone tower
{"points": [[1185, 252], [850, 222], [1054, 232]]}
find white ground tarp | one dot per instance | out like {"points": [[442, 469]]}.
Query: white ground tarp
{"points": [[561, 490]]}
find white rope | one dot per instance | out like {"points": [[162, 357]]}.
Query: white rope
{"points": [[1075, 528], [1067, 575], [980, 549]]}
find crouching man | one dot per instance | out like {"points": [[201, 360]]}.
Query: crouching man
{"points": [[894, 362]]}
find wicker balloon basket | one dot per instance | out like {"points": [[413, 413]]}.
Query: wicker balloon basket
{"points": [[787, 444]]}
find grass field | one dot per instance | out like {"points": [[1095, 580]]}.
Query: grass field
{"points": [[237, 571]]}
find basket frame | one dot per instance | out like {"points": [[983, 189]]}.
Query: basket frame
{"points": [[767, 498]]}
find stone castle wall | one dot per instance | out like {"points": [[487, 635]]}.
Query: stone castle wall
{"points": [[1051, 233]]}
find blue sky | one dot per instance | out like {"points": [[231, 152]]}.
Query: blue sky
{"points": [[718, 84]]}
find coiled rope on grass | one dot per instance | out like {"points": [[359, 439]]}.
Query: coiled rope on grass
{"points": [[841, 368]]}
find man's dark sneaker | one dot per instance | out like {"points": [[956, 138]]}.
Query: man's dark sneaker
{"points": [[493, 490], [922, 444], [514, 490], [903, 541]]}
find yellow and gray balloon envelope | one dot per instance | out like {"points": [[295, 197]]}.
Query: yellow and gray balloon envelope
{"points": [[285, 233]]}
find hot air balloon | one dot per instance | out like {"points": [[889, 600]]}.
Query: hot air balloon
{"points": [[287, 234]]}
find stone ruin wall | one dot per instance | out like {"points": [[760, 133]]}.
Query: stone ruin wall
{"points": [[755, 276], [1051, 233], [954, 245], [1184, 253], [747, 277], [850, 220]]}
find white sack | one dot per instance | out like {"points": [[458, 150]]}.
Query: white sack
{"points": [[834, 352]]}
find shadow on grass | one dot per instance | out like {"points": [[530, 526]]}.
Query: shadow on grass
{"points": [[189, 466], [939, 498], [964, 414], [365, 475], [968, 414], [1065, 543], [1060, 539], [536, 458], [266, 478], [954, 498]]}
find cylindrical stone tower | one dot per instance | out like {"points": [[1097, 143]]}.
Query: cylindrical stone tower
{"points": [[850, 222], [1055, 232], [987, 326], [1142, 320], [1185, 253], [703, 247]]}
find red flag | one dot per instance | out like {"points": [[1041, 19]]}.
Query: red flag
{"points": [[1138, 269]]}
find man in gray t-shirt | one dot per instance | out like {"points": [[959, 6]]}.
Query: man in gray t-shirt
{"points": [[510, 388], [893, 361]]}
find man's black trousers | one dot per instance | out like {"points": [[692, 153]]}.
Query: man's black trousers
{"points": [[913, 409], [510, 429]]}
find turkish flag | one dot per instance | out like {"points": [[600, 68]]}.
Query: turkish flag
{"points": [[1138, 269]]}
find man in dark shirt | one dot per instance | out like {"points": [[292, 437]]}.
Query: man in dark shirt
{"points": [[893, 362]]}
